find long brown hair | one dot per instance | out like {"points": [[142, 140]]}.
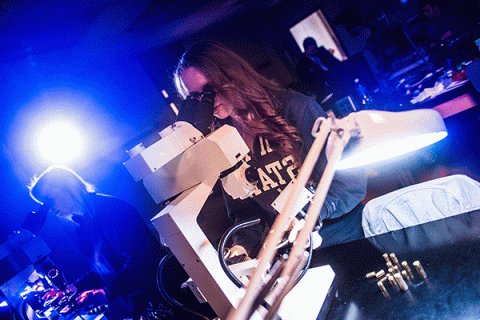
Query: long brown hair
{"points": [[67, 180], [253, 95]]}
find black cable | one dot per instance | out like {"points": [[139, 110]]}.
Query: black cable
{"points": [[221, 248], [23, 310], [309, 261], [230, 231], [223, 241], [164, 293]]}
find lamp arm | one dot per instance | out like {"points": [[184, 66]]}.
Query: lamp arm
{"points": [[283, 287], [321, 131], [297, 259]]}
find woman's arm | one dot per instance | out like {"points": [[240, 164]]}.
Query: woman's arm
{"points": [[348, 188]]}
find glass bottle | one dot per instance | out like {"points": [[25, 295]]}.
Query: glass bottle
{"points": [[364, 98]]}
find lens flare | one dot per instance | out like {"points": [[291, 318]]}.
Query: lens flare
{"points": [[60, 142]]}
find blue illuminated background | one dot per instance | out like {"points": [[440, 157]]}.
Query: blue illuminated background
{"points": [[69, 63], [102, 68]]}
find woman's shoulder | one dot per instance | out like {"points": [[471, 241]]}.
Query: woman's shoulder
{"points": [[300, 110], [293, 96], [291, 99]]}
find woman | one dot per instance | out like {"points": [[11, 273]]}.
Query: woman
{"points": [[276, 125], [111, 235]]}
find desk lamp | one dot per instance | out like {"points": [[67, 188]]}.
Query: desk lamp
{"points": [[359, 139]]}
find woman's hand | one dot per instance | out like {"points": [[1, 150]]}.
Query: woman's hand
{"points": [[295, 228], [95, 297], [237, 251], [236, 254], [51, 294]]}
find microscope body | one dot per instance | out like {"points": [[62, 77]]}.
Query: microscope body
{"points": [[181, 170], [191, 174]]}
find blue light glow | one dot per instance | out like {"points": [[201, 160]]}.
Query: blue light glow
{"points": [[60, 142]]}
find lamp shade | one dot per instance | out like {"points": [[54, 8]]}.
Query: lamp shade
{"points": [[384, 135]]}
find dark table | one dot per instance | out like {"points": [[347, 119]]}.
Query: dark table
{"points": [[449, 252], [458, 94]]}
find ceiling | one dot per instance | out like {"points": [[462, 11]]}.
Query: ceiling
{"points": [[33, 27]]}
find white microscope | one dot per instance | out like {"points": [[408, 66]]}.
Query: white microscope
{"points": [[183, 167]]}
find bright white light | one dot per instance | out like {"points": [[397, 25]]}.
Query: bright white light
{"points": [[60, 142], [390, 150], [377, 117], [3, 304]]}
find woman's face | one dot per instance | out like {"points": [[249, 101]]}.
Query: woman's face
{"points": [[63, 204], [194, 80]]}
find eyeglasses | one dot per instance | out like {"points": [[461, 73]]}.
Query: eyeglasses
{"points": [[207, 94]]}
